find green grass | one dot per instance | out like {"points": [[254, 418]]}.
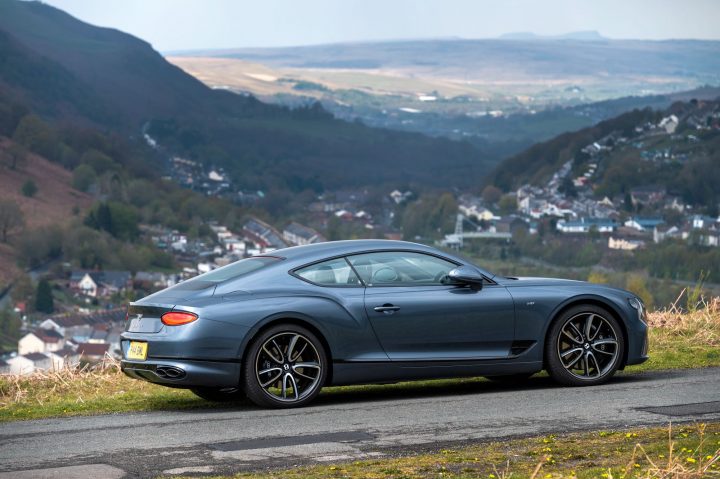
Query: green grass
{"points": [[680, 452], [676, 341]]}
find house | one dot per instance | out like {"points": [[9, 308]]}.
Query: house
{"points": [[399, 197], [710, 238], [70, 327], [92, 352], [151, 279], [477, 212], [263, 235], [669, 124], [624, 244], [41, 341], [298, 234], [663, 232], [64, 358], [703, 222], [29, 363], [643, 224], [585, 225], [100, 283], [646, 195]]}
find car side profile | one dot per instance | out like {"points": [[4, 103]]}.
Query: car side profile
{"points": [[279, 327]]}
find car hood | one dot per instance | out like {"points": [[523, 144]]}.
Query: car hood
{"points": [[533, 281], [520, 282]]}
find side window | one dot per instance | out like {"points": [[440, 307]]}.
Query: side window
{"points": [[336, 272], [400, 268]]}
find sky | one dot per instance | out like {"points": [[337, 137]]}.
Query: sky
{"points": [[207, 24]]}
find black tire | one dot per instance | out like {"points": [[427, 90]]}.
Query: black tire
{"points": [[579, 360], [510, 378], [307, 381], [219, 394]]}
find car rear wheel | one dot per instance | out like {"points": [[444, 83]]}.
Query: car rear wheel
{"points": [[285, 367], [219, 394], [584, 346]]}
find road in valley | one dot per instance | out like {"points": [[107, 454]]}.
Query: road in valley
{"points": [[346, 426]]}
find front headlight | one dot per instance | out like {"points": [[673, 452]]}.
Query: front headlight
{"points": [[638, 305]]}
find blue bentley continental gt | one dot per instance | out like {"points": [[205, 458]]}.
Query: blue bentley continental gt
{"points": [[279, 327]]}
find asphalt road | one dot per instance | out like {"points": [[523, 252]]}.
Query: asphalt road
{"points": [[346, 426]]}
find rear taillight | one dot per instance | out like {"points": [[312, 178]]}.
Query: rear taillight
{"points": [[177, 318]]}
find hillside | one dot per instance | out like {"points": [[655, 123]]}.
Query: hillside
{"points": [[677, 150], [56, 202], [70, 70]]}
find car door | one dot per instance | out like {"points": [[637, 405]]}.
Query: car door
{"points": [[417, 317]]}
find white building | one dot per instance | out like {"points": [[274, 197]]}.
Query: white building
{"points": [[29, 363], [41, 341]]}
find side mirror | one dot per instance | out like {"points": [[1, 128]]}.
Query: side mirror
{"points": [[466, 275]]}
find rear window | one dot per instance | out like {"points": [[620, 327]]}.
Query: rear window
{"points": [[336, 272], [235, 270]]}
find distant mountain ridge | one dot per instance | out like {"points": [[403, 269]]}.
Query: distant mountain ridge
{"points": [[587, 35], [499, 58]]}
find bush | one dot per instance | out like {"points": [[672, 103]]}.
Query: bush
{"points": [[29, 188]]}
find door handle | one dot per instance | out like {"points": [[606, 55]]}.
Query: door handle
{"points": [[386, 308]]}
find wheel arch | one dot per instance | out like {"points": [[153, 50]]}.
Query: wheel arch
{"points": [[296, 319], [594, 301]]}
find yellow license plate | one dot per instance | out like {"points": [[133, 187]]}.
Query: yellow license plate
{"points": [[137, 350]]}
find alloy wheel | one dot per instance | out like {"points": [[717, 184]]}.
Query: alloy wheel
{"points": [[288, 367], [587, 346]]}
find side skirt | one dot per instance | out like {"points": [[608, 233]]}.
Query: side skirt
{"points": [[355, 372]]}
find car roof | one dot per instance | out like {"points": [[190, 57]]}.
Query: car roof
{"points": [[338, 248]]}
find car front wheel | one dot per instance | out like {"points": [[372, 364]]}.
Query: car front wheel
{"points": [[285, 367], [584, 346]]}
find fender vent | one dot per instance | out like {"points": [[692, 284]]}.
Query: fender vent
{"points": [[521, 347]]}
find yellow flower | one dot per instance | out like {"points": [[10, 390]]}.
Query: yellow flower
{"points": [[690, 460]]}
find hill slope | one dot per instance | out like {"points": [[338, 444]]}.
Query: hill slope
{"points": [[677, 149], [117, 81]]}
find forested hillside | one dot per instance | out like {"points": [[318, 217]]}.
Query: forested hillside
{"points": [[72, 71]]}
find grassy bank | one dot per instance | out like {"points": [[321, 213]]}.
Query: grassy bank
{"points": [[678, 340], [678, 452]]}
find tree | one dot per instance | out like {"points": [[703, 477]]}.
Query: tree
{"points": [[16, 156], [36, 135], [491, 194], [10, 324], [11, 218], [638, 285], [598, 278], [507, 204], [44, 302], [29, 188], [83, 177]]}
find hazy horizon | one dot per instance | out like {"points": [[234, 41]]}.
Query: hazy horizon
{"points": [[171, 25]]}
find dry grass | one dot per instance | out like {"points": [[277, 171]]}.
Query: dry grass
{"points": [[687, 452], [101, 388], [680, 465], [702, 324]]}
